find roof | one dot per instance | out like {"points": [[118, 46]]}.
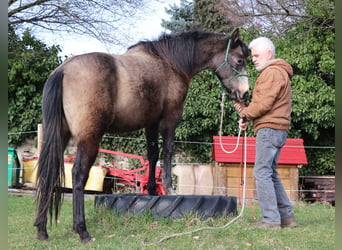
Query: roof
{"points": [[293, 151]]}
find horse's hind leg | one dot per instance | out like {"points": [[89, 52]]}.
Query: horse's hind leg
{"points": [[40, 223], [86, 154], [168, 134]]}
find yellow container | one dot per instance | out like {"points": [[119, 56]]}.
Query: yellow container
{"points": [[94, 183], [30, 170], [95, 179], [68, 175]]}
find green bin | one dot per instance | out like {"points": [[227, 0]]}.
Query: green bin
{"points": [[13, 168]]}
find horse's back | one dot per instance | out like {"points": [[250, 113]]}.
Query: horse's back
{"points": [[89, 86]]}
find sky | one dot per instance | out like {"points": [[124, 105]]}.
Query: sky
{"points": [[147, 27]]}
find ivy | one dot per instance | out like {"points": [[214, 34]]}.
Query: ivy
{"points": [[310, 51]]}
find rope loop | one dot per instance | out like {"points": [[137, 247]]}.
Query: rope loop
{"points": [[220, 131]]}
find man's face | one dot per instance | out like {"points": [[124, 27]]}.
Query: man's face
{"points": [[260, 57]]}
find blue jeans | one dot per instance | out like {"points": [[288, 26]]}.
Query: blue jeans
{"points": [[272, 198]]}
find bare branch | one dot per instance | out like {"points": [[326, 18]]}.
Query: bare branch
{"points": [[277, 16], [21, 8], [10, 2], [106, 20], [282, 5]]}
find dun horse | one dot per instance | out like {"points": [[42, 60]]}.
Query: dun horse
{"points": [[96, 93]]}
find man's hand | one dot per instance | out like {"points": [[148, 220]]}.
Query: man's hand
{"points": [[239, 106], [243, 124]]}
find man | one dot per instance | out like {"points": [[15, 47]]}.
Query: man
{"points": [[270, 111]]}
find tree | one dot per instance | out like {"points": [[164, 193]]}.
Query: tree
{"points": [[182, 17], [213, 15], [280, 16], [310, 48], [29, 64], [106, 20]]}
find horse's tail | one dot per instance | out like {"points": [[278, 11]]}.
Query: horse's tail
{"points": [[50, 175]]}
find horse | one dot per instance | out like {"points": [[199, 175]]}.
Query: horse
{"points": [[91, 94]]}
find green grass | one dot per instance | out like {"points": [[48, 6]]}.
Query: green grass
{"points": [[316, 229]]}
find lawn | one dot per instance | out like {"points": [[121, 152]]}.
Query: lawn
{"points": [[316, 229]]}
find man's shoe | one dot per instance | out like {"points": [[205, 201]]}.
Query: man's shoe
{"points": [[288, 222], [262, 224]]}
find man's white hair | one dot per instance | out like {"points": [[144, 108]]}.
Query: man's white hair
{"points": [[263, 43]]}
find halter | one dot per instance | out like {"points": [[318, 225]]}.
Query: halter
{"points": [[238, 73]]}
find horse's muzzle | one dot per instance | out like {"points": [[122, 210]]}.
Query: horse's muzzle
{"points": [[238, 96]]}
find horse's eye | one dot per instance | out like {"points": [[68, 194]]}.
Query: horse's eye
{"points": [[240, 62]]}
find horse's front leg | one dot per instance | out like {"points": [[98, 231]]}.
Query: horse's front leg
{"points": [[80, 172], [168, 143], [152, 155]]}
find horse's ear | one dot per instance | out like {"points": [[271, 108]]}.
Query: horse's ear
{"points": [[235, 35]]}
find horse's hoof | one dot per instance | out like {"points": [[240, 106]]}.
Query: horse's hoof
{"points": [[152, 192], [171, 191], [42, 236], [88, 240]]}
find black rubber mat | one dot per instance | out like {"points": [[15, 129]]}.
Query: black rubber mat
{"points": [[171, 206]]}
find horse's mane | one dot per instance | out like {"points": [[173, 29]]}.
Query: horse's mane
{"points": [[176, 49]]}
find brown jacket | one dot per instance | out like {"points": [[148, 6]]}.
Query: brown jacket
{"points": [[271, 99]]}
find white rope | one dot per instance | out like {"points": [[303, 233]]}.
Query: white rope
{"points": [[220, 132], [243, 190]]}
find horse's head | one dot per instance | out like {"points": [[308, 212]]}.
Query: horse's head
{"points": [[231, 69]]}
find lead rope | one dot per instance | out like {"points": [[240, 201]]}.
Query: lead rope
{"points": [[220, 132], [243, 190]]}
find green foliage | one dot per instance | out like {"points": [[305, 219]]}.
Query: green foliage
{"points": [[201, 117], [321, 162], [210, 15], [29, 64], [182, 17], [310, 49]]}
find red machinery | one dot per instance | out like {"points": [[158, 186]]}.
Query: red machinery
{"points": [[137, 177]]}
